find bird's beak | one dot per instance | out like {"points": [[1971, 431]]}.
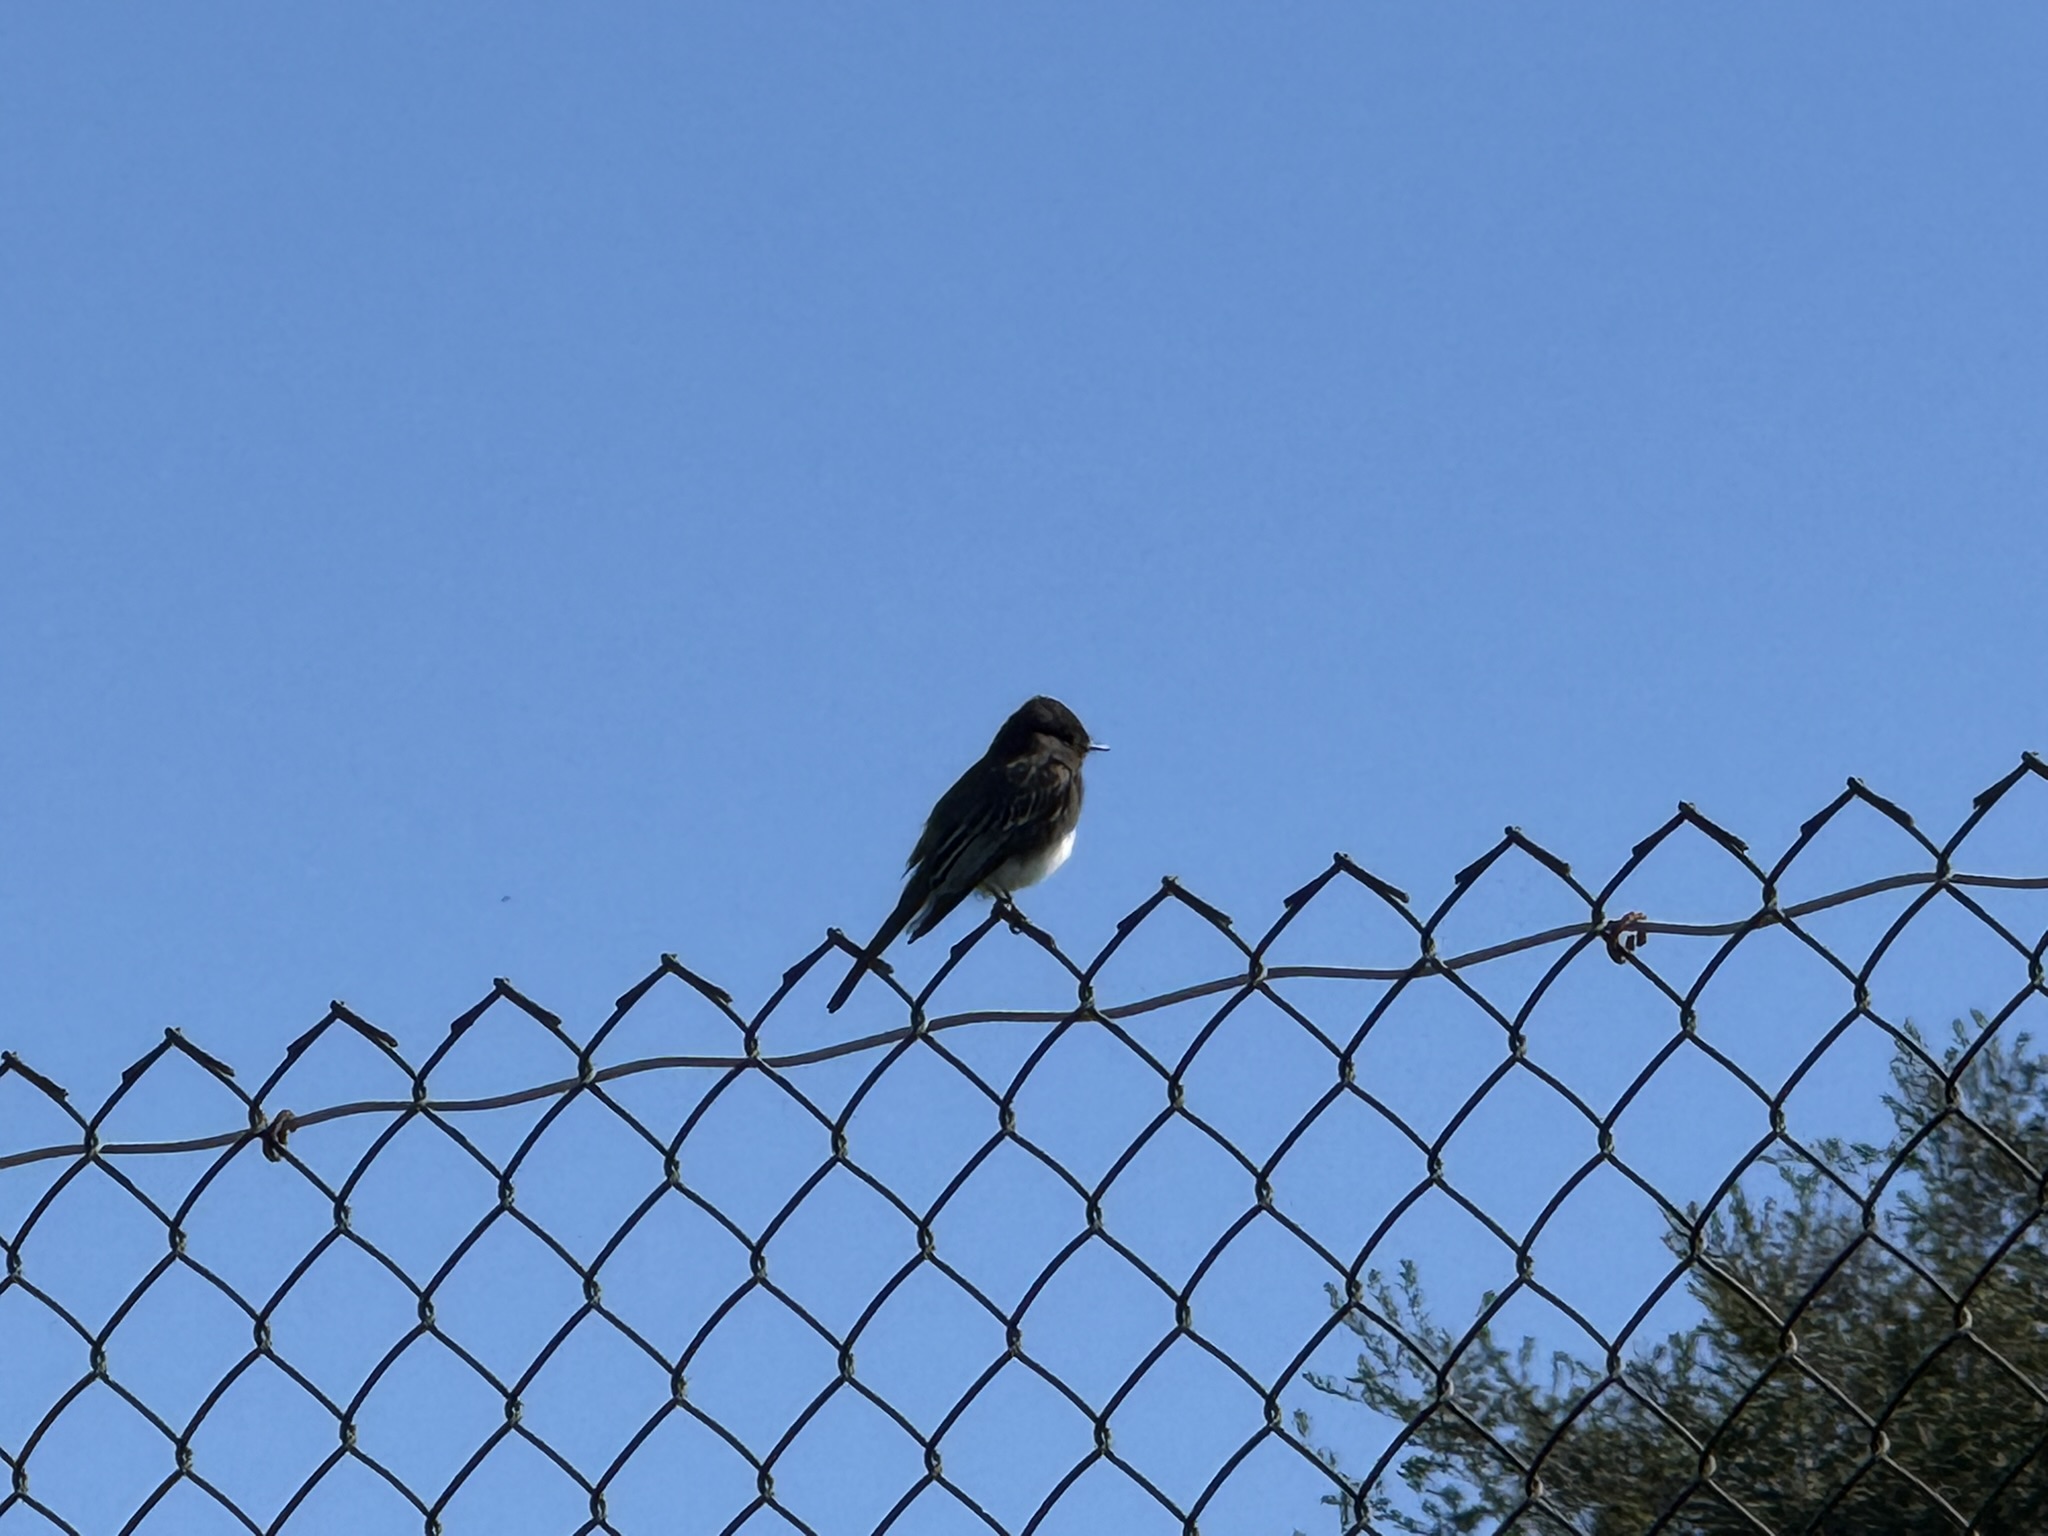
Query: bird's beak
{"points": [[1098, 746]]}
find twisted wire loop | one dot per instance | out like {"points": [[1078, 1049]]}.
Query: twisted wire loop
{"points": [[1625, 1223]]}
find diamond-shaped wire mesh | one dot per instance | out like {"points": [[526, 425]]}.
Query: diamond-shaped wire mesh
{"points": [[1381, 1222]]}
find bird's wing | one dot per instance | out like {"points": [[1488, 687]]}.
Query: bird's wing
{"points": [[965, 849]]}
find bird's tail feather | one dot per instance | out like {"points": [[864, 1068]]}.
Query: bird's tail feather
{"points": [[907, 908]]}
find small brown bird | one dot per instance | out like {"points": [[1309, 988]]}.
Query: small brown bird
{"points": [[1008, 823]]}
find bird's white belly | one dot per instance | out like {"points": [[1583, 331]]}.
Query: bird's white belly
{"points": [[1028, 869]]}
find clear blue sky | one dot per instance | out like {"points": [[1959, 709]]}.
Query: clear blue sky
{"points": [[629, 464], [514, 491]]}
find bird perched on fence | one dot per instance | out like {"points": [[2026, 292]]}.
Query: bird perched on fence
{"points": [[1007, 823]]}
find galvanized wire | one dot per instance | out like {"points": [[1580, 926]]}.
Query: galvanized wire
{"points": [[1351, 1491]]}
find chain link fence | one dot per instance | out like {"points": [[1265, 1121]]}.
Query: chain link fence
{"points": [[1606, 1222]]}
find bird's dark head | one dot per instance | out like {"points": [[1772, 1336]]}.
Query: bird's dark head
{"points": [[1044, 716]]}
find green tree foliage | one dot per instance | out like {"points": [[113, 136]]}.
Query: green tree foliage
{"points": [[1873, 1357]]}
